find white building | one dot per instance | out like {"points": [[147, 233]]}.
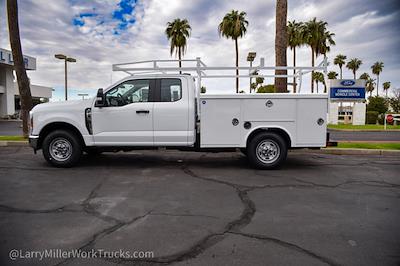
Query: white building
{"points": [[9, 93]]}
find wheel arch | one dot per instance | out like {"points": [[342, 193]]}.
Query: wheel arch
{"points": [[59, 126], [280, 131]]}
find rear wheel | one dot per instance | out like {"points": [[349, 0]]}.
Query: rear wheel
{"points": [[267, 150], [62, 148]]}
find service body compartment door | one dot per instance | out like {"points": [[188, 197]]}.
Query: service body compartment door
{"points": [[269, 110], [218, 125], [309, 132]]}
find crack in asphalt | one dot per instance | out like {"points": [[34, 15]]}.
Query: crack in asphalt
{"points": [[5, 208], [182, 215], [371, 183], [233, 227], [289, 246], [213, 238], [107, 231]]}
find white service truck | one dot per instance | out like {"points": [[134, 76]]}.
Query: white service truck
{"points": [[152, 110]]}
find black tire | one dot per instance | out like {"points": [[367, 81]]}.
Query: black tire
{"points": [[267, 144], [62, 148]]}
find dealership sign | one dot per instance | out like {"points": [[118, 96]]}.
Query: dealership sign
{"points": [[347, 89], [7, 59]]}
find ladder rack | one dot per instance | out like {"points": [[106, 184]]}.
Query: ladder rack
{"points": [[200, 69]]}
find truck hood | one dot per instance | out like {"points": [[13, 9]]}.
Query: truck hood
{"points": [[64, 106]]}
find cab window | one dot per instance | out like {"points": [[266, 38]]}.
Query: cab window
{"points": [[131, 91], [171, 90]]}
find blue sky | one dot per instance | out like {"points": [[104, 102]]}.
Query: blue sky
{"points": [[99, 33]]}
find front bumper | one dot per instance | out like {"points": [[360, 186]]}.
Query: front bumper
{"points": [[34, 142]]}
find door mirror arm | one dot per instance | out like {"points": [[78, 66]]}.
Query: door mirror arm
{"points": [[100, 99]]}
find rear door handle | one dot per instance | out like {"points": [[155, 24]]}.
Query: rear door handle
{"points": [[142, 111]]}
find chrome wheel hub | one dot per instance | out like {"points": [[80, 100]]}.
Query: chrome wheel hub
{"points": [[60, 149], [268, 151]]}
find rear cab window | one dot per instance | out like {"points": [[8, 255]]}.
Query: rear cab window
{"points": [[170, 90]]}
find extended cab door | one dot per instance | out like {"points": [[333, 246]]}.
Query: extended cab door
{"points": [[171, 112], [128, 117]]}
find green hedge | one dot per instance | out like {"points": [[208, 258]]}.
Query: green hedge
{"points": [[372, 117]]}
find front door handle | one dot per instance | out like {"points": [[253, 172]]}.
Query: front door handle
{"points": [[142, 111]]}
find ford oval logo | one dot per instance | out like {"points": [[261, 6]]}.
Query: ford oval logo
{"points": [[347, 82]]}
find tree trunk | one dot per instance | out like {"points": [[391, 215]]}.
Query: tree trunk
{"points": [[317, 86], [377, 85], [179, 57], [19, 65], [312, 72], [354, 74], [294, 70], [325, 88], [281, 44], [340, 72], [237, 65]]}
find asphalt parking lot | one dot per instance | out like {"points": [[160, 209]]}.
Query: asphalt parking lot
{"points": [[202, 209]]}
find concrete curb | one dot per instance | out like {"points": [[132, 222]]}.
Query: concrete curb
{"points": [[343, 151], [362, 130], [10, 143]]}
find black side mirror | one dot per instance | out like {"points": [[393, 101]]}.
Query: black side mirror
{"points": [[100, 99]]}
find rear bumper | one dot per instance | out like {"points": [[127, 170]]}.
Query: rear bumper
{"points": [[34, 142]]}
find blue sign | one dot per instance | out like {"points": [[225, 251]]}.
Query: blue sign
{"points": [[347, 93], [347, 82]]}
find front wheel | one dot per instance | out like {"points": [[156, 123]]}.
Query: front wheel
{"points": [[267, 150], [62, 148]]}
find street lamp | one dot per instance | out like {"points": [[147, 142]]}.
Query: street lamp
{"points": [[250, 58], [66, 59], [83, 95]]}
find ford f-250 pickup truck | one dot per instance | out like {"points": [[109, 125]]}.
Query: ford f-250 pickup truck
{"points": [[145, 111]]}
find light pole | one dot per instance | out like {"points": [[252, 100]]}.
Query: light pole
{"points": [[250, 58], [66, 59]]}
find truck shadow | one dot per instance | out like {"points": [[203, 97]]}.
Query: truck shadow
{"points": [[163, 159]]}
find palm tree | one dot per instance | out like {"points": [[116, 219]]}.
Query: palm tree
{"points": [[340, 60], [386, 86], [332, 75], [377, 69], [319, 39], [370, 85], [354, 64], [233, 26], [318, 77], [280, 44], [364, 76], [19, 66], [295, 39], [177, 33]]}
